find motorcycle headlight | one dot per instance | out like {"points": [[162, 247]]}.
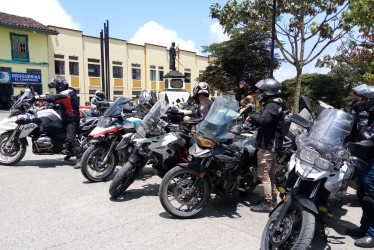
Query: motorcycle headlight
{"points": [[323, 164], [309, 155]]}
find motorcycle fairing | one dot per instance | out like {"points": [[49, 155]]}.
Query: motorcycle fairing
{"points": [[306, 171], [166, 144], [337, 177], [99, 131]]}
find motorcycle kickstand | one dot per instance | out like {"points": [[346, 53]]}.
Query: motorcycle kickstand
{"points": [[323, 231]]}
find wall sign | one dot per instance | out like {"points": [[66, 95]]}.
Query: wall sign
{"points": [[20, 77]]}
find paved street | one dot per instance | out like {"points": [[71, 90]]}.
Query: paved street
{"points": [[45, 203]]}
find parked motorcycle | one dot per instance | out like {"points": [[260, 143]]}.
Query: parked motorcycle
{"points": [[110, 142], [155, 140], [318, 176], [44, 126]]}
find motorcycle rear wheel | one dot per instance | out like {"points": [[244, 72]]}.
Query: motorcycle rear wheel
{"points": [[176, 192], [11, 156], [123, 179], [91, 168], [296, 229]]}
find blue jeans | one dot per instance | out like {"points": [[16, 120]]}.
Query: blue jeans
{"points": [[367, 219]]}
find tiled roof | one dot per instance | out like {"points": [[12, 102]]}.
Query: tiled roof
{"points": [[25, 23]]}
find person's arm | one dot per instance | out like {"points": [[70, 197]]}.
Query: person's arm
{"points": [[54, 98], [266, 116], [202, 111]]}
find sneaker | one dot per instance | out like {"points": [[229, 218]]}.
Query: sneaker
{"points": [[77, 165], [263, 207], [355, 232], [366, 242]]}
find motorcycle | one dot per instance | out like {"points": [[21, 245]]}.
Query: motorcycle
{"points": [[110, 143], [318, 176], [155, 140], [44, 126]]}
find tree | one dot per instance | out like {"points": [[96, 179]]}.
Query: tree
{"points": [[317, 87], [361, 14], [245, 57], [313, 24]]}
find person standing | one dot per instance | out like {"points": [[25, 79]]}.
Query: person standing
{"points": [[270, 122]]}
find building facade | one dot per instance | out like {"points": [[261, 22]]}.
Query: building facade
{"points": [[23, 56], [77, 58]]}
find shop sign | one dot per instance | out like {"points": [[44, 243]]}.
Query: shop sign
{"points": [[20, 77]]}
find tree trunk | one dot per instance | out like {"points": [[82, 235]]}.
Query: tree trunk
{"points": [[297, 90]]}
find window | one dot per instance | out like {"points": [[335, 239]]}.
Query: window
{"points": [[117, 72], [33, 71], [5, 69], [93, 60], [118, 92], [117, 62], [94, 70], [153, 75], [59, 67], [92, 92], [135, 74], [187, 77], [20, 50], [161, 76], [73, 58], [74, 68], [59, 56]]}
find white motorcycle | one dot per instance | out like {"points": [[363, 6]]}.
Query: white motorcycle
{"points": [[317, 180]]}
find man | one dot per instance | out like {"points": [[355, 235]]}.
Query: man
{"points": [[172, 55], [69, 112], [270, 122], [95, 102], [201, 93]]}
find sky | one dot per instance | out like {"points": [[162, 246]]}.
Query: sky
{"points": [[160, 22]]}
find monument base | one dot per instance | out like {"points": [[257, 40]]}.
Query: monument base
{"points": [[174, 95]]}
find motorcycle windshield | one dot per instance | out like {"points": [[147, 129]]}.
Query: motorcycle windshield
{"points": [[115, 109], [17, 104], [152, 118], [328, 132], [216, 124]]}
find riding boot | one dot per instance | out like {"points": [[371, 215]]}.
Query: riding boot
{"points": [[78, 155]]}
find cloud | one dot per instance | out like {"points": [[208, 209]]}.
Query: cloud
{"points": [[284, 73], [154, 33], [216, 33], [47, 12]]}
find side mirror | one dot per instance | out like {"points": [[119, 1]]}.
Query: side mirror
{"points": [[299, 120], [366, 143], [305, 102]]}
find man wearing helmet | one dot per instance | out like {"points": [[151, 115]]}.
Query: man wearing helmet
{"points": [[69, 112], [201, 93], [95, 101], [270, 122]]}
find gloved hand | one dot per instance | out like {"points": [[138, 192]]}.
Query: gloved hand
{"points": [[39, 97]]}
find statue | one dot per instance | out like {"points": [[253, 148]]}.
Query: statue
{"points": [[172, 54]]}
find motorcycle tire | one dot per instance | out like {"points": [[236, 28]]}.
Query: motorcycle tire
{"points": [[15, 156], [90, 160], [176, 191], [123, 179], [305, 227]]}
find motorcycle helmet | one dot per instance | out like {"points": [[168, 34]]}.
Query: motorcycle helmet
{"points": [[367, 103], [268, 87], [201, 88], [60, 84], [146, 100], [100, 95], [364, 90]]}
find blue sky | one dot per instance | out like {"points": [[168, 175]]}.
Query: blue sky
{"points": [[139, 21]]}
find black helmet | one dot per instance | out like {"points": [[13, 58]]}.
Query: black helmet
{"points": [[365, 105], [100, 94], [364, 90], [146, 100], [201, 88], [268, 87], [60, 84]]}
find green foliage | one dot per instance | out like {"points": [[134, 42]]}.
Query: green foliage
{"points": [[317, 87], [245, 57], [361, 13]]}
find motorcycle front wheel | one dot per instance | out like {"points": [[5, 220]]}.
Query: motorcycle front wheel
{"points": [[123, 179], [180, 195], [296, 230], [13, 153], [92, 168]]}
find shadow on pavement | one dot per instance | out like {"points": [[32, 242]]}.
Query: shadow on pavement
{"points": [[133, 194], [45, 163]]}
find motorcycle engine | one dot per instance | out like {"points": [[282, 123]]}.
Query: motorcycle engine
{"points": [[44, 142]]}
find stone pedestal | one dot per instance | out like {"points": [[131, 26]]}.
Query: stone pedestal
{"points": [[174, 88]]}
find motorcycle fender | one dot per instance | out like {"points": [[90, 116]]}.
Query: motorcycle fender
{"points": [[135, 158], [22, 139], [306, 203], [126, 139], [27, 129], [188, 165]]}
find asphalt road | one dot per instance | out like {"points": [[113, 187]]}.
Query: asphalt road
{"points": [[45, 203]]}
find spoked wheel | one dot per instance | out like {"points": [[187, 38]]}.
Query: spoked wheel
{"points": [[180, 195], [296, 230], [92, 167], [12, 153]]}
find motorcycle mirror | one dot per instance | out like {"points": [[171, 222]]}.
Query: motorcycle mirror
{"points": [[299, 120], [366, 143], [305, 103]]}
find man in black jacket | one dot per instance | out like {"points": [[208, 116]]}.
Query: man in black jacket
{"points": [[201, 93], [270, 122], [69, 112]]}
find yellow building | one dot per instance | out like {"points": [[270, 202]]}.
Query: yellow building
{"points": [[76, 57], [23, 56]]}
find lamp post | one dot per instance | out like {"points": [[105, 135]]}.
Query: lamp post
{"points": [[273, 38]]}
